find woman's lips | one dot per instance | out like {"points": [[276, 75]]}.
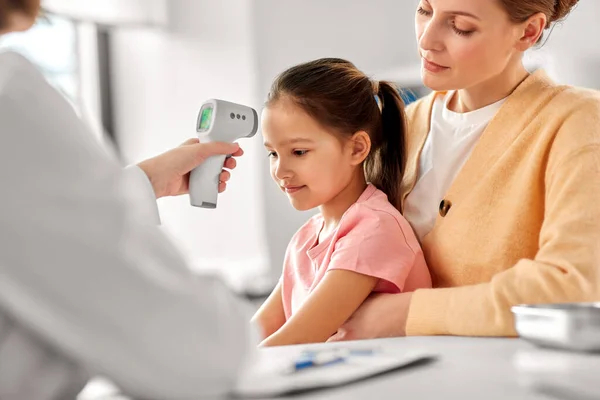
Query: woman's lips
{"points": [[292, 189], [433, 67]]}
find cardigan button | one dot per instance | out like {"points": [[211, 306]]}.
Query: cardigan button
{"points": [[445, 207]]}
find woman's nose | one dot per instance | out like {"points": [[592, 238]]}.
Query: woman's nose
{"points": [[430, 39]]}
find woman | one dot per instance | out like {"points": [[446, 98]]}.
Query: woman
{"points": [[503, 177], [88, 284]]}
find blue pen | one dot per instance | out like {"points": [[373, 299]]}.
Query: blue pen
{"points": [[310, 362], [310, 359]]}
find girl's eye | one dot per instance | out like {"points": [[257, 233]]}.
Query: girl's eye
{"points": [[300, 152], [423, 11], [272, 154]]}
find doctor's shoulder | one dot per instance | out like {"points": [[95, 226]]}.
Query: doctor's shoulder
{"points": [[13, 64]]}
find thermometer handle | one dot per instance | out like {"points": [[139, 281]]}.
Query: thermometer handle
{"points": [[204, 182]]}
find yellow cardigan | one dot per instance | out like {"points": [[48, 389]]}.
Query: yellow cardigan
{"points": [[521, 221]]}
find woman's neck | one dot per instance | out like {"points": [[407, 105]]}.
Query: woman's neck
{"points": [[488, 92], [334, 209]]}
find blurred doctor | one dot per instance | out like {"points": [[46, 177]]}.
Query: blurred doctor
{"points": [[88, 283]]}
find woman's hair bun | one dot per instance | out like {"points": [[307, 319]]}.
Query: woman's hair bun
{"points": [[562, 8]]}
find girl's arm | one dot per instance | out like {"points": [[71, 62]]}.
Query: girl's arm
{"points": [[332, 302], [270, 317]]}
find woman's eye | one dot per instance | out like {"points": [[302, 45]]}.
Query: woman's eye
{"points": [[461, 32], [272, 154], [300, 152], [424, 12]]}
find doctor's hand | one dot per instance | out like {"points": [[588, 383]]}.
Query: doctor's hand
{"points": [[169, 172], [382, 315]]}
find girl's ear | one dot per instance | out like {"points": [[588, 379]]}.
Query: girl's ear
{"points": [[360, 146]]}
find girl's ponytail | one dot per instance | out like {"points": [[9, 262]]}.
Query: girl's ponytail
{"points": [[384, 167]]}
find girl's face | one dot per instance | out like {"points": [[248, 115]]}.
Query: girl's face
{"points": [[463, 43], [309, 163]]}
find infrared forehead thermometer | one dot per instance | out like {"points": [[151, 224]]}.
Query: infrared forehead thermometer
{"points": [[218, 121]]}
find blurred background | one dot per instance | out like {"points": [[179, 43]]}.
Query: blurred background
{"points": [[138, 71]]}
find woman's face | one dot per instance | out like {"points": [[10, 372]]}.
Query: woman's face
{"points": [[463, 43]]}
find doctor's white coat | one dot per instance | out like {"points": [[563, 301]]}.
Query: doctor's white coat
{"points": [[89, 285]]}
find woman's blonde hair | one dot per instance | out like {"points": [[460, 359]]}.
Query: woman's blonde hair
{"points": [[555, 10]]}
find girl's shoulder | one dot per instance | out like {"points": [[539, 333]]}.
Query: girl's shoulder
{"points": [[374, 216], [307, 232]]}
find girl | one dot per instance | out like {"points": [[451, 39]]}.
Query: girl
{"points": [[336, 141]]}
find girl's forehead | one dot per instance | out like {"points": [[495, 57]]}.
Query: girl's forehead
{"points": [[286, 121], [290, 134], [285, 107]]}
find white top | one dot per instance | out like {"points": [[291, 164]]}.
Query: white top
{"points": [[89, 285], [452, 137]]}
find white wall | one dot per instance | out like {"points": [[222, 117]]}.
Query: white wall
{"points": [[161, 78], [574, 47], [129, 12]]}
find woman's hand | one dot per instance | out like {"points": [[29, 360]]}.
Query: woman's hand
{"points": [[169, 172], [381, 315]]}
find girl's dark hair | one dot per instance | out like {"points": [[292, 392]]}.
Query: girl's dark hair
{"points": [[7, 7], [343, 99], [555, 10]]}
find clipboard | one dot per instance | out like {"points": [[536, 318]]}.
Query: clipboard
{"points": [[270, 377]]}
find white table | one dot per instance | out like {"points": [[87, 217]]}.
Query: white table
{"points": [[470, 369]]}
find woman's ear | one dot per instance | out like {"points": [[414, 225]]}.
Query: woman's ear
{"points": [[531, 31], [360, 147]]}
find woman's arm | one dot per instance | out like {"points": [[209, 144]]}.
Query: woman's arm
{"points": [[566, 267], [332, 302], [271, 316]]}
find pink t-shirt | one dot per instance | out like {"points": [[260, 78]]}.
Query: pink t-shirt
{"points": [[372, 238]]}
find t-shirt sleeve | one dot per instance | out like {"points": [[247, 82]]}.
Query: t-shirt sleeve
{"points": [[373, 243]]}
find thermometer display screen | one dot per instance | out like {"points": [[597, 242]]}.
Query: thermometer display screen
{"points": [[205, 119]]}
